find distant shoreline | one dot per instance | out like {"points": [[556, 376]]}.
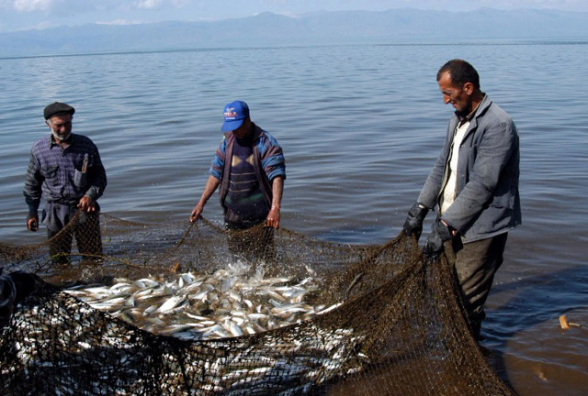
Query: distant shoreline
{"points": [[393, 27]]}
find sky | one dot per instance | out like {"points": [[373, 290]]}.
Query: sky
{"points": [[41, 14]]}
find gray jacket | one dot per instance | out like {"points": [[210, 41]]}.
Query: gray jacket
{"points": [[487, 202]]}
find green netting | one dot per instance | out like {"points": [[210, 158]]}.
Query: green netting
{"points": [[172, 309]]}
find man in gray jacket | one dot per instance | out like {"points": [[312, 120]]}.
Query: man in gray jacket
{"points": [[474, 184]]}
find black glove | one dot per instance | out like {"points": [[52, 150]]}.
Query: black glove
{"points": [[25, 284], [414, 221], [434, 244]]}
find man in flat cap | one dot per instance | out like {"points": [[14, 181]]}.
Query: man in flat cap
{"points": [[66, 170], [249, 169]]}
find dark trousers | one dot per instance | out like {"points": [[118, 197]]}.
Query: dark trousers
{"points": [[475, 265], [86, 229]]}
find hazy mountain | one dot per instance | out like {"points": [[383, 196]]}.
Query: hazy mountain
{"points": [[393, 26]]}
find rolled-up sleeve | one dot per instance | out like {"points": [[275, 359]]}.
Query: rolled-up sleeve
{"points": [[272, 158]]}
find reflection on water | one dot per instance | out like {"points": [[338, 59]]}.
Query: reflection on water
{"points": [[361, 127]]}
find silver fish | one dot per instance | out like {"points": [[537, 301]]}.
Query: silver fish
{"points": [[171, 304]]}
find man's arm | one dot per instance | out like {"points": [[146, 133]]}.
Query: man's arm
{"points": [[273, 218], [32, 193], [211, 186], [97, 180], [432, 186]]}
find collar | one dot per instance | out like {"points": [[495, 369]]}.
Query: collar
{"points": [[249, 138], [463, 118], [255, 133], [69, 140]]}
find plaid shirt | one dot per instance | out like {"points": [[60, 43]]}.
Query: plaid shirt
{"points": [[64, 175]]}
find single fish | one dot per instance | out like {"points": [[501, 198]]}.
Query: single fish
{"points": [[171, 304]]}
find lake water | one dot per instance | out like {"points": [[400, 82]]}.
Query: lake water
{"points": [[361, 126]]}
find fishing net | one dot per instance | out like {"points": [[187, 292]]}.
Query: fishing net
{"points": [[171, 309]]}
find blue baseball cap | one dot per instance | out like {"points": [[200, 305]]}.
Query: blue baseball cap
{"points": [[235, 113]]}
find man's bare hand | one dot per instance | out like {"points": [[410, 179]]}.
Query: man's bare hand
{"points": [[196, 212], [273, 218], [87, 204], [32, 223]]}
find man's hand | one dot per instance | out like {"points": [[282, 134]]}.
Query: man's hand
{"points": [[32, 222], [87, 204], [211, 185], [273, 218], [438, 236], [196, 213], [414, 222]]}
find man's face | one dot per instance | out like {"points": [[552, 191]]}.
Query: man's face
{"points": [[459, 97], [243, 130], [60, 126]]}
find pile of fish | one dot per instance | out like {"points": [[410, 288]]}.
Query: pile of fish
{"points": [[56, 341], [231, 302], [60, 340]]}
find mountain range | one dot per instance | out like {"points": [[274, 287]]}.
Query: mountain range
{"points": [[267, 29]]}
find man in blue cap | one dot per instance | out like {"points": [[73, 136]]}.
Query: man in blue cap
{"points": [[66, 170], [249, 169]]}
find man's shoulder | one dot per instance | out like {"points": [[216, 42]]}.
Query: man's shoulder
{"points": [[83, 141], [41, 144], [496, 112], [496, 119], [265, 137], [82, 138], [227, 138]]}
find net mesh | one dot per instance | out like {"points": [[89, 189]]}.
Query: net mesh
{"points": [[176, 310]]}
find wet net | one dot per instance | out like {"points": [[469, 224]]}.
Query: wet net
{"points": [[172, 309]]}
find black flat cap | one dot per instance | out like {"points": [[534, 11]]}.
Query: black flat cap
{"points": [[58, 108]]}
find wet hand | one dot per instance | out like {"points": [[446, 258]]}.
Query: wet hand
{"points": [[87, 204], [32, 223], [273, 218], [196, 213]]}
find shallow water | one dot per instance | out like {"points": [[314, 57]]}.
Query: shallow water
{"points": [[361, 127]]}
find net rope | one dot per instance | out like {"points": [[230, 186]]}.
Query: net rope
{"points": [[255, 312]]}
